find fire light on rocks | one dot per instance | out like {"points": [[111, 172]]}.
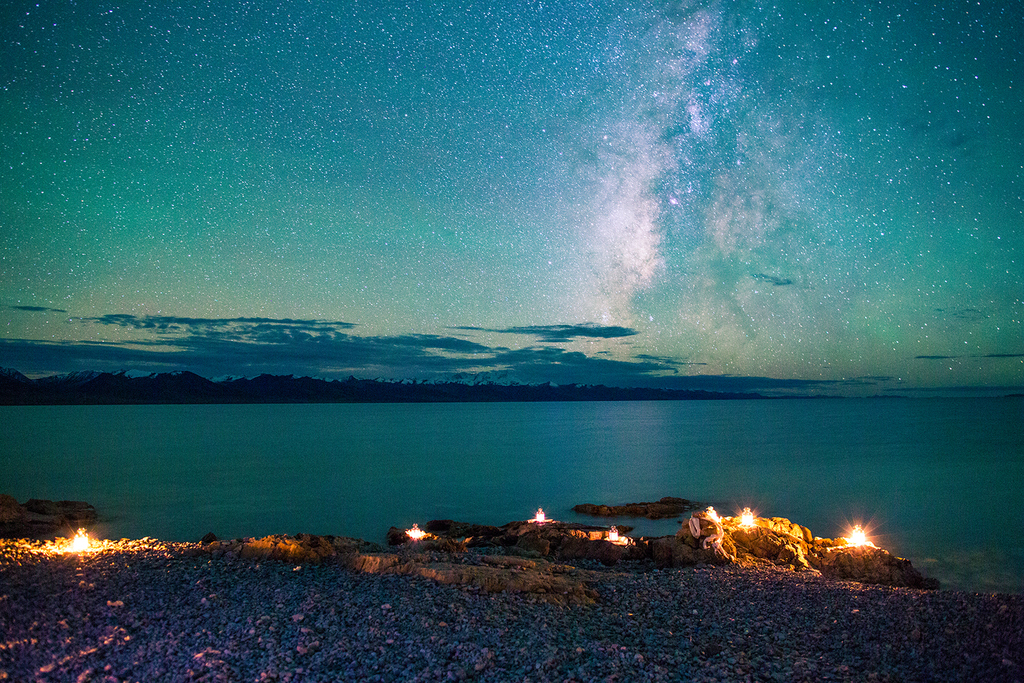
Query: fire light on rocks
{"points": [[415, 533], [80, 543], [747, 518], [858, 538], [615, 537]]}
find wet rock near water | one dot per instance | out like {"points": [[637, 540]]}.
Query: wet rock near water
{"points": [[779, 541], [704, 540], [43, 518], [664, 508]]}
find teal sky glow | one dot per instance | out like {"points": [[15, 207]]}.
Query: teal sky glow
{"points": [[810, 197]]}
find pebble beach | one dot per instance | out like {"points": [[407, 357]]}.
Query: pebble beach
{"points": [[153, 611]]}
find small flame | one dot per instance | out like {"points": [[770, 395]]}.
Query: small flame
{"points": [[415, 533], [747, 518], [857, 537], [618, 539], [80, 543], [712, 515], [539, 518]]}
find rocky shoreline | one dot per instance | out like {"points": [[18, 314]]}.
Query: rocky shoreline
{"points": [[720, 601], [152, 611]]}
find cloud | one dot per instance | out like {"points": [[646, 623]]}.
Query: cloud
{"points": [[38, 309], [563, 333], [177, 323], [216, 347], [777, 281]]}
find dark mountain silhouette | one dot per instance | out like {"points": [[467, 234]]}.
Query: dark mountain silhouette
{"points": [[85, 388]]}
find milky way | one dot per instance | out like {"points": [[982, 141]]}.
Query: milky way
{"points": [[812, 197]]}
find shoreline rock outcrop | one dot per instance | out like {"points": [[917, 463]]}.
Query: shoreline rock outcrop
{"points": [[39, 519], [664, 508], [539, 557]]}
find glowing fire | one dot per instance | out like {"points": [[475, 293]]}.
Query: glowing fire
{"points": [[747, 518], [618, 539], [712, 515], [857, 537], [539, 518], [415, 533], [81, 543]]}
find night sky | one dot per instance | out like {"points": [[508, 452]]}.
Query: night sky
{"points": [[812, 197]]}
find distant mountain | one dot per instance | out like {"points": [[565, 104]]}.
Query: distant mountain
{"points": [[87, 388], [69, 380], [7, 375]]}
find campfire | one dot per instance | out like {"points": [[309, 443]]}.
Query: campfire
{"points": [[858, 538], [415, 533], [80, 543], [539, 518]]}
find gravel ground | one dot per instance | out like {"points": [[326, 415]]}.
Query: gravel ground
{"points": [[151, 611]]}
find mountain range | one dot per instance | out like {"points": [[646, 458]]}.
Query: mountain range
{"points": [[100, 388]]}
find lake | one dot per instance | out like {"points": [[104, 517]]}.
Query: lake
{"points": [[940, 481]]}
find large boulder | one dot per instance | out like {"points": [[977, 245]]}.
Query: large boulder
{"points": [[780, 548], [868, 564], [676, 551]]}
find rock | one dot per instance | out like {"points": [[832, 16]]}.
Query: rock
{"points": [[673, 551], [666, 552], [868, 564], [208, 538], [44, 518], [70, 511], [663, 508], [780, 548], [438, 526], [534, 543], [784, 526], [300, 549], [10, 511], [575, 548], [549, 582], [396, 536], [473, 534]]}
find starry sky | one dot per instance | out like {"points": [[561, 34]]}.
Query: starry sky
{"points": [[807, 196]]}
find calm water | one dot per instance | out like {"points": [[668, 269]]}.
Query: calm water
{"points": [[940, 481]]}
